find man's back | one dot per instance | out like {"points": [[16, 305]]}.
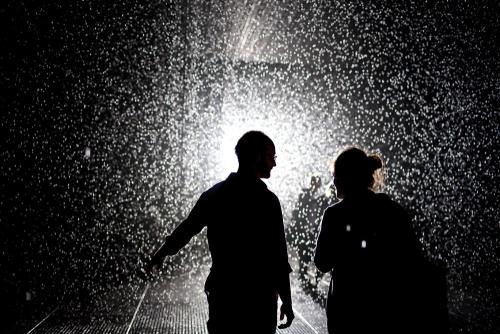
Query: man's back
{"points": [[247, 242], [245, 234], [249, 256]]}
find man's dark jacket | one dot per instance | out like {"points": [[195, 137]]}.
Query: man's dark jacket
{"points": [[247, 244]]}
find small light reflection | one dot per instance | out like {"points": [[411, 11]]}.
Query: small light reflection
{"points": [[87, 153]]}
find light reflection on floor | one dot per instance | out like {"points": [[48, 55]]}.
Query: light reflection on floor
{"points": [[171, 305]]}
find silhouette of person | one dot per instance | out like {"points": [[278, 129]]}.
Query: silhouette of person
{"points": [[247, 244], [303, 228], [366, 240]]}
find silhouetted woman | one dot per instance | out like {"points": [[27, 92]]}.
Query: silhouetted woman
{"points": [[367, 241]]}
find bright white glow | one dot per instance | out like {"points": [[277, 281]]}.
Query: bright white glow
{"points": [[297, 136], [234, 128], [363, 244], [348, 228], [230, 137]]}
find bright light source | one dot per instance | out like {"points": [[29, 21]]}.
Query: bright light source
{"points": [[234, 127], [227, 155], [297, 136]]}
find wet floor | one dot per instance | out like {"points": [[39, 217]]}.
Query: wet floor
{"points": [[172, 305]]}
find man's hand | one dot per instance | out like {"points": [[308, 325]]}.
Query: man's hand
{"points": [[286, 310]]}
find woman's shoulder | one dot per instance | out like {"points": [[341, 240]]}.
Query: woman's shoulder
{"points": [[388, 204], [385, 199], [334, 209]]}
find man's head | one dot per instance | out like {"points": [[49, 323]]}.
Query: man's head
{"points": [[256, 153]]}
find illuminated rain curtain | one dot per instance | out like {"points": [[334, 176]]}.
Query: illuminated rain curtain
{"points": [[117, 115]]}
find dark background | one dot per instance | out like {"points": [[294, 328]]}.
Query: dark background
{"points": [[109, 110]]}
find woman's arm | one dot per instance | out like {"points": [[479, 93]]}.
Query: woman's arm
{"points": [[323, 257]]}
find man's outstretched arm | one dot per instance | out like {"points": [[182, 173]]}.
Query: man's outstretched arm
{"points": [[182, 234]]}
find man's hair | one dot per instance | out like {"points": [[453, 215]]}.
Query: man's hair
{"points": [[250, 145]]}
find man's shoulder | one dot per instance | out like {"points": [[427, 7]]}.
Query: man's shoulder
{"points": [[273, 196], [215, 189], [232, 185], [224, 187]]}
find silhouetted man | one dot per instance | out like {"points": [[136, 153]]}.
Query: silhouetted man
{"points": [[247, 243]]}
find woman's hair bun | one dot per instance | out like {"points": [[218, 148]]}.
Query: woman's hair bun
{"points": [[374, 162], [354, 169]]}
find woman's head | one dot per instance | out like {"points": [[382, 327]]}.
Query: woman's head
{"points": [[355, 171]]}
